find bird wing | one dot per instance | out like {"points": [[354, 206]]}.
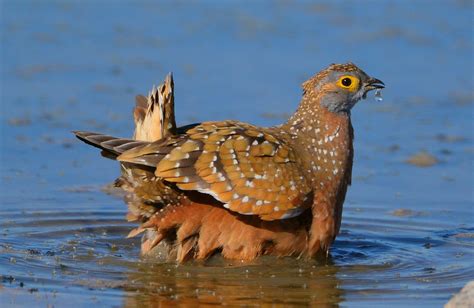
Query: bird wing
{"points": [[250, 170]]}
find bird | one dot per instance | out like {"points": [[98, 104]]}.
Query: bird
{"points": [[237, 189]]}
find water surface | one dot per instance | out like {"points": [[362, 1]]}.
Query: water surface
{"points": [[408, 234]]}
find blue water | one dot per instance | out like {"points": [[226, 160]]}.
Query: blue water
{"points": [[78, 65]]}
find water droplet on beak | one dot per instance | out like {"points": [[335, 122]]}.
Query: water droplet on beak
{"points": [[378, 95]]}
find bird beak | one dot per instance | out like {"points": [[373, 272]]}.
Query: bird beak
{"points": [[372, 84]]}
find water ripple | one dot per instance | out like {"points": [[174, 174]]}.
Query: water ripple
{"points": [[384, 257]]}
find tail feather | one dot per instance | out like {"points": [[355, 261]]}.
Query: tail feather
{"points": [[140, 110], [112, 146], [154, 115]]}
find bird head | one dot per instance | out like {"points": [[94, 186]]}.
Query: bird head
{"points": [[340, 86]]}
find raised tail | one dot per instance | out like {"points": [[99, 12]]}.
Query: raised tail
{"points": [[154, 115], [111, 146], [154, 119]]}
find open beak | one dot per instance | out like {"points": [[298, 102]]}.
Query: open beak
{"points": [[372, 84]]}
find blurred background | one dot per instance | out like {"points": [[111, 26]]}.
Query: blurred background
{"points": [[77, 65]]}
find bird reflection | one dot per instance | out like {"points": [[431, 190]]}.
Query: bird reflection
{"points": [[268, 281]]}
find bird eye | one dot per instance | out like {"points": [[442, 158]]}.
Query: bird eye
{"points": [[346, 82], [349, 82]]}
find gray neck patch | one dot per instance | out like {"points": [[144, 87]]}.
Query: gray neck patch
{"points": [[338, 102]]}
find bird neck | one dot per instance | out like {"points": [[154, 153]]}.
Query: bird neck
{"points": [[324, 140], [313, 119]]}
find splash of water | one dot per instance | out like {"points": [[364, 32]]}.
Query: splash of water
{"points": [[378, 95]]}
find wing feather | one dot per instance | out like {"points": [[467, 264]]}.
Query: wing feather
{"points": [[253, 171]]}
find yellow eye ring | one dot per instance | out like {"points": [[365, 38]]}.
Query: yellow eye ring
{"points": [[348, 82]]}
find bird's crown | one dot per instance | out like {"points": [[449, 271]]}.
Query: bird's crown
{"points": [[310, 84]]}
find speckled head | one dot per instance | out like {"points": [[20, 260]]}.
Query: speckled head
{"points": [[340, 86]]}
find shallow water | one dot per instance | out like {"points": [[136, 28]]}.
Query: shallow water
{"points": [[408, 234], [51, 256]]}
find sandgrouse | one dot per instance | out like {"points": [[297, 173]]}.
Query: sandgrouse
{"points": [[236, 188]]}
